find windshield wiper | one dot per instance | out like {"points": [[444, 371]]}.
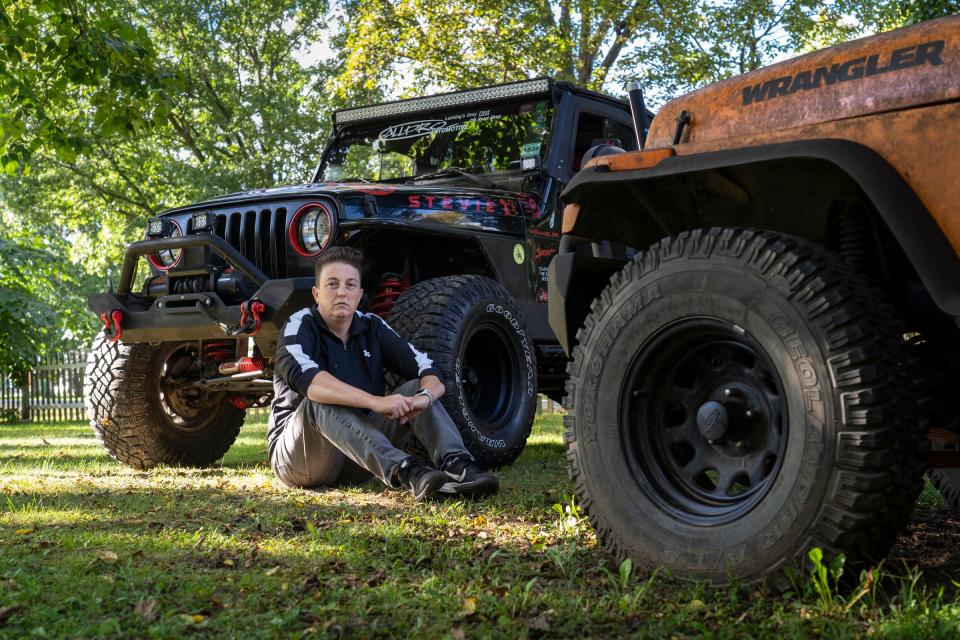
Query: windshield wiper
{"points": [[457, 171]]}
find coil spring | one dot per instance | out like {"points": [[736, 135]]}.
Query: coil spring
{"points": [[391, 287], [219, 350]]}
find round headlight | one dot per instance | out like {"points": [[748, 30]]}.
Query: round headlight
{"points": [[310, 229], [168, 258]]}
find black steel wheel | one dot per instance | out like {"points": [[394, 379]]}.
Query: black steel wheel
{"points": [[704, 420], [144, 410], [476, 336], [737, 397]]}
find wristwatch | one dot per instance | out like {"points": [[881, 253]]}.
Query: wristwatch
{"points": [[423, 391]]}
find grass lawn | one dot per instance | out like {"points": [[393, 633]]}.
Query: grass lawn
{"points": [[91, 548]]}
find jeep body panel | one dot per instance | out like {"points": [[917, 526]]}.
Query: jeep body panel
{"points": [[767, 148]]}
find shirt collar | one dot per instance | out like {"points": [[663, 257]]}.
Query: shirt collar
{"points": [[356, 324]]}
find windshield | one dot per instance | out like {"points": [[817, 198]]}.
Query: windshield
{"points": [[475, 140]]}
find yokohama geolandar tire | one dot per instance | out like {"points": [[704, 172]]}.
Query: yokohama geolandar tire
{"points": [[473, 331], [138, 416], [736, 398]]}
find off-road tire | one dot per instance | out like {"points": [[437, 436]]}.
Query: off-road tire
{"points": [[846, 468], [455, 320], [129, 419]]}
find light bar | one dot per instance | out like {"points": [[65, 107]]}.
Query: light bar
{"points": [[497, 92]]}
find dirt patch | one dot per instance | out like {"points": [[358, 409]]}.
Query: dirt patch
{"points": [[932, 544]]}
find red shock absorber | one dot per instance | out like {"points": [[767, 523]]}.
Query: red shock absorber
{"points": [[219, 350], [392, 285], [243, 365]]}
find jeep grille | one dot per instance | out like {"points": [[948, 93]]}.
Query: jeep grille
{"points": [[259, 235]]}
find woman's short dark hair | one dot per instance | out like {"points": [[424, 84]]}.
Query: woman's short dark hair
{"points": [[345, 255]]}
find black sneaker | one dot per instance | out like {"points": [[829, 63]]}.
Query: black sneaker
{"points": [[465, 478], [423, 480]]}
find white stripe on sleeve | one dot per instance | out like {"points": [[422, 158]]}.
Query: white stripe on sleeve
{"points": [[423, 360], [302, 359], [293, 324]]}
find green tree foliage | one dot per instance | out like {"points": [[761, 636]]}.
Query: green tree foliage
{"points": [[245, 114], [66, 66], [673, 45], [465, 43], [695, 42], [40, 303], [123, 118]]}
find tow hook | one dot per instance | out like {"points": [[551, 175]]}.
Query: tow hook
{"points": [[250, 311], [112, 322]]}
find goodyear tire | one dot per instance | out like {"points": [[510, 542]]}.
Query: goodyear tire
{"points": [[473, 331], [141, 419], [736, 398]]}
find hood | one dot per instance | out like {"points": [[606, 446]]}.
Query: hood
{"points": [[896, 70], [421, 196]]}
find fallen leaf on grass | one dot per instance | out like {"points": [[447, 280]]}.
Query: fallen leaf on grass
{"points": [[229, 563], [146, 609], [6, 612], [24, 532], [469, 607], [273, 571], [106, 555], [195, 618]]}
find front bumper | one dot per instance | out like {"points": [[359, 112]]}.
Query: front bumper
{"points": [[201, 315]]}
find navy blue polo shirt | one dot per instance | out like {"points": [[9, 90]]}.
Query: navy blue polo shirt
{"points": [[307, 346]]}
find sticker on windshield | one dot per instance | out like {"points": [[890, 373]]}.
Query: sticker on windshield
{"points": [[426, 127], [532, 149], [518, 253]]}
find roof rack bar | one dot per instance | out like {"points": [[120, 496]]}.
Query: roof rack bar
{"points": [[469, 96]]}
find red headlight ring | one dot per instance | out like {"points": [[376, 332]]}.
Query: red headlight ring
{"points": [[155, 261], [294, 230]]}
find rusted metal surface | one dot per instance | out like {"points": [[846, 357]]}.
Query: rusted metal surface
{"points": [[570, 213], [945, 451], [897, 93], [899, 69], [943, 459], [631, 161], [944, 436]]}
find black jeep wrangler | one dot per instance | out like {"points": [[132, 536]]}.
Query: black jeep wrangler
{"points": [[454, 201]]}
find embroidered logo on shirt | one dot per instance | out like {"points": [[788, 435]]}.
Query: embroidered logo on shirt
{"points": [[366, 353]]}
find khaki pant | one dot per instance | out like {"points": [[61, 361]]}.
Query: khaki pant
{"points": [[325, 444]]}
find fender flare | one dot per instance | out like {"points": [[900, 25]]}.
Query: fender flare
{"points": [[916, 231]]}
